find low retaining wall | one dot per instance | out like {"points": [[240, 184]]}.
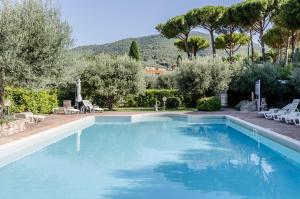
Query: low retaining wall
{"points": [[12, 127]]}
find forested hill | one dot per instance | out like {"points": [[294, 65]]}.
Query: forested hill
{"points": [[154, 48]]}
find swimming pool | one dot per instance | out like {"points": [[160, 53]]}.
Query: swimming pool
{"points": [[155, 157]]}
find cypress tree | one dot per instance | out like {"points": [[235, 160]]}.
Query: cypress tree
{"points": [[135, 51]]}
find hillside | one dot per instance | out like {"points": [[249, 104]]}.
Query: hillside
{"points": [[155, 49]]}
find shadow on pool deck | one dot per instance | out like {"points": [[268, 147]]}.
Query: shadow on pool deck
{"points": [[57, 120]]}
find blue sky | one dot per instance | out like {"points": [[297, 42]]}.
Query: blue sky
{"points": [[103, 21]]}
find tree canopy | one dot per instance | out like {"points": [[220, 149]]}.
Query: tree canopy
{"points": [[177, 27], [112, 77], [195, 43], [231, 43], [134, 51], [33, 44], [209, 18]]}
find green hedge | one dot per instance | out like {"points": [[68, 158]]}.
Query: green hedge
{"points": [[173, 102], [209, 104], [149, 97], [40, 101]]}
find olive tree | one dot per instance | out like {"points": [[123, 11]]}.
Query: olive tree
{"points": [[112, 78], [203, 76], [34, 44]]}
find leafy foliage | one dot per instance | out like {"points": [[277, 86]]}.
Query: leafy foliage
{"points": [[150, 97], [36, 101], [269, 75], [195, 43], [173, 102], [290, 14], [209, 18], [111, 78], [33, 44], [231, 43], [296, 79], [166, 81], [209, 104], [178, 27], [276, 37], [203, 76]]}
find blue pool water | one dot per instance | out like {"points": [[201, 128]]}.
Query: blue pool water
{"points": [[162, 159]]}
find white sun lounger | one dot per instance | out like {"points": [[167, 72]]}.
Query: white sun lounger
{"points": [[296, 120], [269, 114], [30, 117], [282, 113], [66, 111], [290, 119], [90, 108]]}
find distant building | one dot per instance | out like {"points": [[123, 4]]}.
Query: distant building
{"points": [[150, 71]]}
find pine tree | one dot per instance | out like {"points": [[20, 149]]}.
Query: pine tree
{"points": [[135, 51]]}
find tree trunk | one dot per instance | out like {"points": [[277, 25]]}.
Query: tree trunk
{"points": [[286, 62], [230, 55], [280, 55], [248, 51], [278, 58], [1, 101], [293, 44], [179, 60], [252, 47], [187, 47], [213, 43], [262, 43]]}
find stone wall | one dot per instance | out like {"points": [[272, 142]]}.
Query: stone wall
{"points": [[12, 127]]}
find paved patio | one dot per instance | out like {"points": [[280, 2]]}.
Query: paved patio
{"points": [[57, 120]]}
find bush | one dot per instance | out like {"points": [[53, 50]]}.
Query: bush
{"points": [[173, 102], [209, 104], [166, 81], [149, 97], [41, 101]]}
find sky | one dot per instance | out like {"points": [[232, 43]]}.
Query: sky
{"points": [[105, 21]]}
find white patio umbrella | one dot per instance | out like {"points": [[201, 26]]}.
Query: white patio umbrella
{"points": [[78, 92]]}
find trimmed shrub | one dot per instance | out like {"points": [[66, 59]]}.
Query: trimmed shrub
{"points": [[173, 102], [209, 104], [41, 101], [149, 97]]}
